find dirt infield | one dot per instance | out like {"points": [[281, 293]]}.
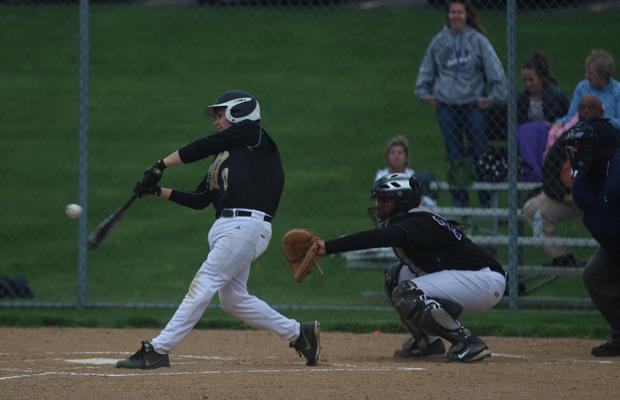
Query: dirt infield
{"points": [[70, 364]]}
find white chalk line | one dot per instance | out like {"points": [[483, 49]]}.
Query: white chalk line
{"points": [[6, 378], [221, 372], [508, 355], [603, 362], [93, 361], [87, 353]]}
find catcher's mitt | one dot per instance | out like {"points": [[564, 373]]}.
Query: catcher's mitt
{"points": [[300, 248]]}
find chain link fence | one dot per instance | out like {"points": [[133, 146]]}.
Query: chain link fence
{"points": [[337, 80]]}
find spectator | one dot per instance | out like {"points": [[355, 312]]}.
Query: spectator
{"points": [[592, 147], [542, 100], [599, 69], [459, 64], [588, 105], [555, 203], [539, 105], [397, 158]]}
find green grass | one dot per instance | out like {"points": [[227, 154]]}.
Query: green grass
{"points": [[334, 85], [536, 323]]}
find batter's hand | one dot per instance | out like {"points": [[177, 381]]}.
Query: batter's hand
{"points": [[141, 191], [153, 175]]}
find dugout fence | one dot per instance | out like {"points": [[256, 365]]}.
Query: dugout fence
{"points": [[94, 92]]}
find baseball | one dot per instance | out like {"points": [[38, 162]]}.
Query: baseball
{"points": [[73, 210]]}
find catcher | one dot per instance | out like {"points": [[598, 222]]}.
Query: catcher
{"points": [[441, 272]]}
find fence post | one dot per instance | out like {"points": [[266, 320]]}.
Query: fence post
{"points": [[83, 155], [513, 232]]}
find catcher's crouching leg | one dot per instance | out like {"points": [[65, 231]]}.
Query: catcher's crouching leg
{"points": [[429, 316], [419, 344]]}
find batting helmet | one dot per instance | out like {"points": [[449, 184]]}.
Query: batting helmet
{"points": [[406, 190], [587, 141], [239, 105]]}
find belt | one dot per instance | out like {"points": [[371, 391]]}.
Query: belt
{"points": [[233, 212]]}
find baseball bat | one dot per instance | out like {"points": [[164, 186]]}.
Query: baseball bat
{"points": [[105, 227]]}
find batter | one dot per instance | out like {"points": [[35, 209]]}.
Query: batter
{"points": [[244, 183]]}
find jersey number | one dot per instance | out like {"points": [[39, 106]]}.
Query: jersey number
{"points": [[457, 233]]}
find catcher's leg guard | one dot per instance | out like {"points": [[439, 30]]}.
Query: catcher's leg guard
{"points": [[419, 344], [436, 320], [426, 314], [430, 317], [390, 280], [452, 308], [408, 300]]}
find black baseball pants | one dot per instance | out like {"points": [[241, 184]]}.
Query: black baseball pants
{"points": [[602, 280]]}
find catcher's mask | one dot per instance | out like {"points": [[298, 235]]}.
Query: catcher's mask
{"points": [[588, 143], [239, 106], [394, 194]]}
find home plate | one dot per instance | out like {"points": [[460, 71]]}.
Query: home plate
{"points": [[94, 361]]}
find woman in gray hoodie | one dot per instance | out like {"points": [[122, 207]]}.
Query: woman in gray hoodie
{"points": [[458, 67]]}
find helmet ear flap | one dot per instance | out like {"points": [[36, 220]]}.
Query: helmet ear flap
{"points": [[417, 191]]}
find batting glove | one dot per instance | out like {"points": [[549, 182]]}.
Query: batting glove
{"points": [[153, 175], [140, 190]]}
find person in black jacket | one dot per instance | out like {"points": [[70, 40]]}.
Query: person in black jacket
{"points": [[244, 182], [555, 203], [593, 147], [542, 100], [441, 273]]}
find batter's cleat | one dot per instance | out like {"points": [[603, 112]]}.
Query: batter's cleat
{"points": [[471, 349], [308, 343], [145, 358], [606, 349], [412, 348]]}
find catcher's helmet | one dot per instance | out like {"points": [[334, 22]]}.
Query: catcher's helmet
{"points": [[406, 190], [239, 106], [586, 142]]}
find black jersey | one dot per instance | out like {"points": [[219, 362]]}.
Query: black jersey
{"points": [[246, 171], [424, 241]]}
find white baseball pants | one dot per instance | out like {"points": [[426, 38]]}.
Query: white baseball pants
{"points": [[473, 290], [234, 243]]}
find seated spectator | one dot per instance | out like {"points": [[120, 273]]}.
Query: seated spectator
{"points": [[555, 203], [397, 158], [538, 106], [542, 100], [589, 105], [599, 69]]}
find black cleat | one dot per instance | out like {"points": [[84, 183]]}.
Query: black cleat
{"points": [[145, 358], [471, 349], [308, 343], [606, 349], [412, 348]]}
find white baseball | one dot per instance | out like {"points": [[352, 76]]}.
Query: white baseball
{"points": [[73, 210]]}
